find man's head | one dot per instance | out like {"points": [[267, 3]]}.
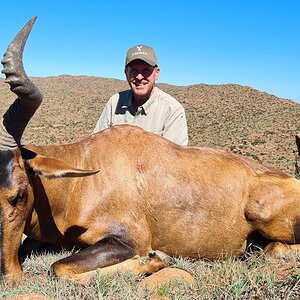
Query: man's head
{"points": [[141, 69]]}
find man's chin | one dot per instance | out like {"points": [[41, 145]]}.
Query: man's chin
{"points": [[140, 93]]}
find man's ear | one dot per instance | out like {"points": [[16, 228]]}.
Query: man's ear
{"points": [[157, 72]]}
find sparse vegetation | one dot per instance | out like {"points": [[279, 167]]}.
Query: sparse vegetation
{"points": [[233, 117], [255, 277]]}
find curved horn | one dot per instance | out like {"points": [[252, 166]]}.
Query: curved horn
{"points": [[29, 95], [13, 66]]}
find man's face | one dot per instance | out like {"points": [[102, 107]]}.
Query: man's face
{"points": [[141, 78]]}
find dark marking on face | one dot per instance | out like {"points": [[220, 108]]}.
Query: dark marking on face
{"points": [[6, 168]]}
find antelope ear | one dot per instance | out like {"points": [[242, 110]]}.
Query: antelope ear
{"points": [[52, 168]]}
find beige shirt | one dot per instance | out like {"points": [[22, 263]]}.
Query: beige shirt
{"points": [[161, 114]]}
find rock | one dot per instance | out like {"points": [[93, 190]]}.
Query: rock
{"points": [[167, 276], [31, 296]]}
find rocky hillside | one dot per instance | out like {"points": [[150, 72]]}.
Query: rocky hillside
{"points": [[233, 117]]}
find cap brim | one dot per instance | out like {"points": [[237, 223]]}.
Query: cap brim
{"points": [[148, 61]]}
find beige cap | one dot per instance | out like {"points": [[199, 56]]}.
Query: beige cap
{"points": [[142, 52]]}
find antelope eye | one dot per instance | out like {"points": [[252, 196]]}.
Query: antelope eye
{"points": [[21, 196]]}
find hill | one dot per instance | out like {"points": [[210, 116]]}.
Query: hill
{"points": [[233, 117]]}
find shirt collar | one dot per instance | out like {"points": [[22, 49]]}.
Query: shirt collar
{"points": [[128, 102]]}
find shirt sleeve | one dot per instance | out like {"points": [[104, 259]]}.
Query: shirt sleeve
{"points": [[105, 118], [176, 128]]}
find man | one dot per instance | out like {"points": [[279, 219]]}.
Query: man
{"points": [[145, 105]]}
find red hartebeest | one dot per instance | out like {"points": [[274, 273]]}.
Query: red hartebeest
{"points": [[130, 193]]}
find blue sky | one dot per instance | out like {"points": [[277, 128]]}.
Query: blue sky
{"points": [[254, 43]]}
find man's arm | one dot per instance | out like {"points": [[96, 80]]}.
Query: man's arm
{"points": [[176, 128]]}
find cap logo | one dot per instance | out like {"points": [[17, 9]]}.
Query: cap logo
{"points": [[139, 51]]}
